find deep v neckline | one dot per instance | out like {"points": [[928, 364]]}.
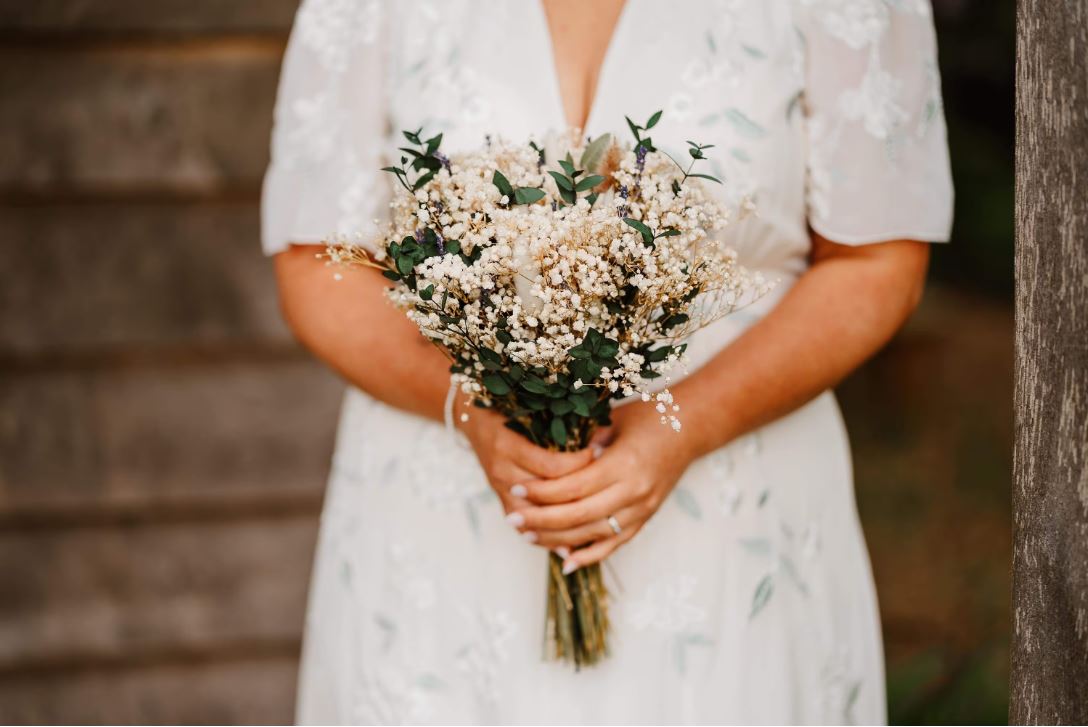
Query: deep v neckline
{"points": [[558, 107]]}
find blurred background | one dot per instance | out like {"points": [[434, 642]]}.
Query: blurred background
{"points": [[157, 509]]}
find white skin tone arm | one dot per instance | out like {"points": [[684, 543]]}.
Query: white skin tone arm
{"points": [[848, 304]]}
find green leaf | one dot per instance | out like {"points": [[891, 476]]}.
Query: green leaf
{"points": [[503, 337], [413, 136], [528, 195], [674, 320], [535, 403], [594, 153], [391, 274], [453, 246], [653, 120], [433, 144], [706, 176], [423, 180], [591, 199], [669, 232], [562, 181], [558, 430], [568, 166], [496, 384], [646, 232], [588, 183], [658, 354], [560, 407], [633, 127], [608, 348], [427, 293], [533, 384], [404, 265], [488, 356], [500, 181]]}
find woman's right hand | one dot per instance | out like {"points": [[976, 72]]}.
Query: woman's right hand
{"points": [[509, 459]]}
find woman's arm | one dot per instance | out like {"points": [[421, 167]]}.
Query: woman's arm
{"points": [[846, 307], [842, 310], [351, 326]]}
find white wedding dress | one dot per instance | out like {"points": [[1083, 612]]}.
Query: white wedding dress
{"points": [[748, 597]]}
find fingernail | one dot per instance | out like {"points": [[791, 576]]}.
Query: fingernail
{"points": [[519, 491], [530, 536], [597, 450], [516, 519], [569, 567], [563, 552]]}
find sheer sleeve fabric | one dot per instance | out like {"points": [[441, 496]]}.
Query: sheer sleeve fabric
{"points": [[329, 127], [878, 165]]}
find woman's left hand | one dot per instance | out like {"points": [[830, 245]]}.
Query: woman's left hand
{"points": [[630, 479]]}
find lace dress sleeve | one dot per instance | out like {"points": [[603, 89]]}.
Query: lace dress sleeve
{"points": [[329, 125], [878, 166]]}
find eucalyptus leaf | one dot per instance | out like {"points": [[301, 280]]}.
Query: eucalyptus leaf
{"points": [[496, 384], [562, 181], [503, 184], [588, 183], [558, 431], [594, 153], [528, 195]]}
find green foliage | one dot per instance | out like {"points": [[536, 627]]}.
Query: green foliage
{"points": [[644, 141], [570, 185]]}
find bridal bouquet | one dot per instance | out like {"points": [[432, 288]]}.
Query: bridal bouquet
{"points": [[557, 286]]}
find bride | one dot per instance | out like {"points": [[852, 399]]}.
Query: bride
{"points": [[741, 587]]}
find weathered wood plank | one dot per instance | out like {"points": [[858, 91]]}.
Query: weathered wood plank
{"points": [[143, 120], [259, 691], [1050, 494], [93, 277], [144, 435], [101, 596], [170, 16]]}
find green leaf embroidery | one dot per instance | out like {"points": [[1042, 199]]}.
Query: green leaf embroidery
{"points": [[762, 595]]}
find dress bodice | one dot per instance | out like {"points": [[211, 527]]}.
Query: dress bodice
{"points": [[827, 113]]}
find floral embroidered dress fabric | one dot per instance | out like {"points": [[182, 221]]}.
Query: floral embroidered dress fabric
{"points": [[748, 598]]}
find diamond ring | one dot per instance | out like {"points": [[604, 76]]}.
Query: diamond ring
{"points": [[614, 524]]}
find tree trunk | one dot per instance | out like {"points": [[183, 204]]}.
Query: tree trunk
{"points": [[1050, 489]]}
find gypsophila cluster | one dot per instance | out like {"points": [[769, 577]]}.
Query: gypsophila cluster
{"points": [[556, 287]]}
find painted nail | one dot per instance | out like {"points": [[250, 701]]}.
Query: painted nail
{"points": [[569, 567], [530, 536], [519, 491], [563, 552], [516, 519], [597, 450]]}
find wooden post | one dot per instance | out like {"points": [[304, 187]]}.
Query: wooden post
{"points": [[1050, 489]]}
